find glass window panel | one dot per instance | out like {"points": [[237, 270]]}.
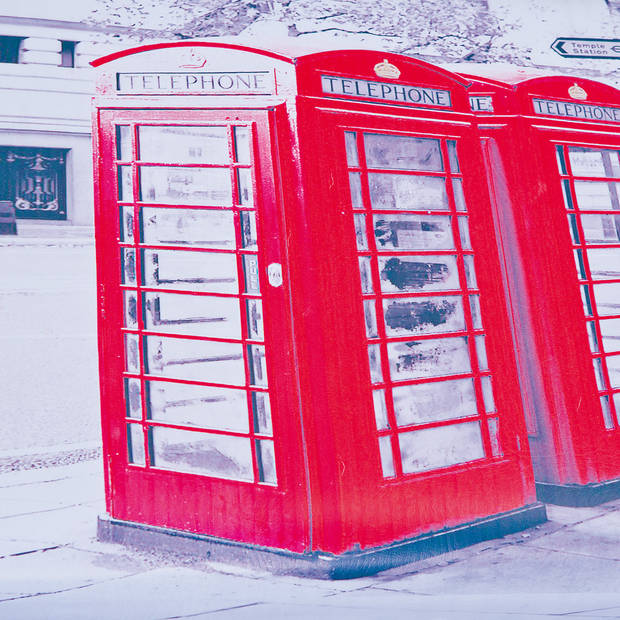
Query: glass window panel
{"points": [[258, 365], [574, 231], [360, 231], [587, 162], [202, 453], [399, 191], [598, 373], [604, 263], [616, 398], [250, 270], [211, 272], [248, 230], [607, 297], [559, 155], [254, 312], [125, 184], [370, 317], [496, 447], [123, 142], [606, 409], [423, 315], [183, 145], [418, 273], [387, 459], [381, 417], [476, 317], [126, 227], [610, 333], [185, 186], [459, 197], [365, 274], [244, 184], [262, 413], [135, 444], [585, 298], [601, 228], [432, 448], [613, 368], [464, 233], [470, 272], [487, 394], [355, 183], [413, 232], [481, 351], [195, 360], [242, 144], [130, 303], [454, 162], [128, 260], [418, 359], [591, 327], [350, 140], [199, 227], [133, 398], [266, 459], [195, 315], [402, 152], [374, 358], [579, 264], [431, 402], [132, 353], [198, 405], [568, 199], [597, 195]]}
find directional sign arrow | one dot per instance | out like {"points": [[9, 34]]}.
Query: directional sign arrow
{"points": [[569, 47]]}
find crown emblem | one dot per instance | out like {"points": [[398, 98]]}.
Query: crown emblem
{"points": [[387, 70], [194, 61], [576, 92]]}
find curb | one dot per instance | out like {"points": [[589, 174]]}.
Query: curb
{"points": [[50, 457]]}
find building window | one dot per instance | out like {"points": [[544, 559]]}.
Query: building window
{"points": [[67, 54], [34, 180], [9, 49]]}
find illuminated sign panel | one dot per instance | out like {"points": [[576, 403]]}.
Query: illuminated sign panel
{"points": [[585, 111]]}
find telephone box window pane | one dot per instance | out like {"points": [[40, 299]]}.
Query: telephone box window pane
{"points": [[355, 183], [419, 359], [559, 155], [244, 184], [185, 186], [470, 272], [374, 358], [360, 231], [579, 264], [402, 152], [248, 230], [381, 416], [604, 263], [351, 146], [242, 145], [135, 444], [597, 195], [250, 271], [607, 297], [128, 260], [387, 459], [125, 184], [370, 317], [432, 402], [123, 142], [258, 365], [459, 197], [496, 448], [399, 191], [195, 360], [607, 418], [474, 304], [418, 273], [454, 162], [133, 398], [132, 353], [601, 228], [413, 232], [210, 272], [262, 413], [568, 199], [487, 394], [183, 145], [193, 315], [585, 298], [616, 398], [598, 373], [266, 458], [574, 231], [481, 351], [198, 405], [592, 337], [254, 313], [423, 315], [126, 227], [202, 453], [433, 448], [193, 227], [586, 162], [613, 367], [610, 333], [464, 233], [365, 274], [130, 303]]}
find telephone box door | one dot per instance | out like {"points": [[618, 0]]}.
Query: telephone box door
{"points": [[200, 422]]}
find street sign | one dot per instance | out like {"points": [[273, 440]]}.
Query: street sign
{"points": [[586, 48]]}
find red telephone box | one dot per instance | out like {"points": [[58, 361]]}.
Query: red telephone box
{"points": [[304, 342], [552, 148]]}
